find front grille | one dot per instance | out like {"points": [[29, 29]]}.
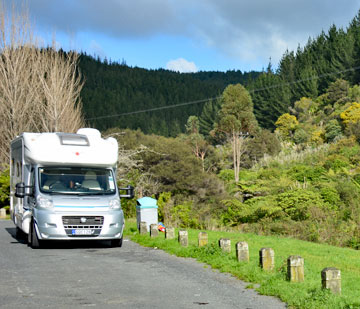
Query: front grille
{"points": [[72, 223]]}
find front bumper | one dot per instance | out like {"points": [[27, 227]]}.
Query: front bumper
{"points": [[72, 226]]}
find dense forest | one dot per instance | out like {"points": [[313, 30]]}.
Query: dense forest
{"points": [[113, 88]]}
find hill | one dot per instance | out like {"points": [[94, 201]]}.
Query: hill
{"points": [[113, 88]]}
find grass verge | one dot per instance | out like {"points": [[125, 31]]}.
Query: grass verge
{"points": [[307, 294]]}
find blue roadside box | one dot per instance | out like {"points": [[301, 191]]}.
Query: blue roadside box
{"points": [[146, 211]]}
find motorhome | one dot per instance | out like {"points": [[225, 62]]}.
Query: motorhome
{"points": [[63, 187]]}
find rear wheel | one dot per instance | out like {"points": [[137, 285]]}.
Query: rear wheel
{"points": [[116, 242]]}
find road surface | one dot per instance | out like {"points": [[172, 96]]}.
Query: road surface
{"points": [[81, 274]]}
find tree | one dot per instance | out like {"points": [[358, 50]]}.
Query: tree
{"points": [[39, 88], [196, 140], [286, 125], [236, 121], [352, 114], [208, 117], [60, 87]]}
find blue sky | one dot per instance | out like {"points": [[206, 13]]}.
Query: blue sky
{"points": [[188, 35]]}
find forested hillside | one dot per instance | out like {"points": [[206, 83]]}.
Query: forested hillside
{"points": [[113, 88]]}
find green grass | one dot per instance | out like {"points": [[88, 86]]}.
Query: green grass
{"points": [[297, 295]]}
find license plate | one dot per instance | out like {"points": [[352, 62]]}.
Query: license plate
{"points": [[82, 232]]}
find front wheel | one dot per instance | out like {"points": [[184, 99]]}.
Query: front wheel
{"points": [[116, 242], [33, 239]]}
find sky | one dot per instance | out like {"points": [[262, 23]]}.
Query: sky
{"points": [[188, 35]]}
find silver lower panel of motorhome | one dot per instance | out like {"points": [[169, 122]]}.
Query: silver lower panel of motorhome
{"points": [[71, 226]]}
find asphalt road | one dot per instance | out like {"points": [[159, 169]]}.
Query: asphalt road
{"points": [[82, 274]]}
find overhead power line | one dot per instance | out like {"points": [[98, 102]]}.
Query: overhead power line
{"points": [[215, 98]]}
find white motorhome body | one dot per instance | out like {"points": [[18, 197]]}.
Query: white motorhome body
{"points": [[63, 187]]}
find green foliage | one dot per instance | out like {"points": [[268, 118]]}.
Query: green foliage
{"points": [[330, 196], [298, 203], [302, 172], [332, 130], [183, 216], [129, 207], [286, 125], [226, 175], [5, 188], [163, 203], [336, 162], [236, 213], [236, 112]]}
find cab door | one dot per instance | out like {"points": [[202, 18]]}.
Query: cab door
{"points": [[16, 176]]}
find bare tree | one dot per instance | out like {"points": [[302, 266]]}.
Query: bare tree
{"points": [[60, 87], [17, 78], [39, 87]]}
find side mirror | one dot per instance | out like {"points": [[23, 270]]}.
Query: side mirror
{"points": [[129, 192], [21, 190]]}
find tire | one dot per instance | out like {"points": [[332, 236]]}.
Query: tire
{"points": [[34, 240], [116, 242]]}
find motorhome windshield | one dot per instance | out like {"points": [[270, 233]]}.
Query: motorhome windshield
{"points": [[76, 180]]}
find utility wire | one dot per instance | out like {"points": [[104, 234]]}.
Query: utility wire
{"points": [[215, 98]]}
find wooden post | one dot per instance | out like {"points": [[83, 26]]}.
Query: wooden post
{"points": [[242, 251], [143, 228], [170, 233], [183, 238], [202, 239], [267, 258], [225, 244], [2, 213], [154, 232], [331, 279], [295, 268]]}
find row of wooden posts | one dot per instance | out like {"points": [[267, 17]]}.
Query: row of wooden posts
{"points": [[330, 277]]}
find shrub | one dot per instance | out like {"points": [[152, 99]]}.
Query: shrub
{"points": [[302, 172], [227, 175], [269, 173], [330, 196], [336, 162], [297, 203], [182, 215], [5, 188]]}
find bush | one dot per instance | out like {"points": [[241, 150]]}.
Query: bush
{"points": [[5, 188], [297, 203], [182, 216], [269, 173], [227, 175], [302, 172], [336, 162], [330, 196]]}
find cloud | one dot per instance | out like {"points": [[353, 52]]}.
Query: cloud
{"points": [[242, 30], [181, 65]]}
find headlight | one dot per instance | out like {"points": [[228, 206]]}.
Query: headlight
{"points": [[44, 202], [114, 204]]}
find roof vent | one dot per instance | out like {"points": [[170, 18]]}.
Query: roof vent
{"points": [[91, 133]]}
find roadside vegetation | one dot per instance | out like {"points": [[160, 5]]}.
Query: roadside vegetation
{"points": [[308, 294]]}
